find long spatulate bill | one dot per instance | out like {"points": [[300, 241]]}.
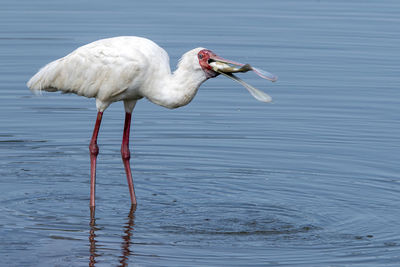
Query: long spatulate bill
{"points": [[257, 94]]}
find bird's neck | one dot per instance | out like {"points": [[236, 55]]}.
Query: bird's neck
{"points": [[178, 88]]}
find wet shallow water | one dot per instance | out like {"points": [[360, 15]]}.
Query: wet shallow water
{"points": [[310, 180]]}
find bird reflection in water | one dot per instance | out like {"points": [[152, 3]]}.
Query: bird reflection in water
{"points": [[126, 238]]}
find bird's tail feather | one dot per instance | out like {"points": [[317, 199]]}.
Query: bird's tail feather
{"points": [[44, 78]]}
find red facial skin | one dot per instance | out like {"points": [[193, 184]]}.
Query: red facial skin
{"points": [[204, 56]]}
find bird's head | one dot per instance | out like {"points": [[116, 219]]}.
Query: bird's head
{"points": [[205, 57]]}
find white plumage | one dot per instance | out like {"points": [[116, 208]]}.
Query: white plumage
{"points": [[123, 68]]}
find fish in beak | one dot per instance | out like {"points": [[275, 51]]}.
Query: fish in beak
{"points": [[214, 65]]}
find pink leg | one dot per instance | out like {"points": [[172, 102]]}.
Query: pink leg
{"points": [[94, 151], [126, 155]]}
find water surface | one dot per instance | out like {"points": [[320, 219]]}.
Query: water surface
{"points": [[310, 180]]}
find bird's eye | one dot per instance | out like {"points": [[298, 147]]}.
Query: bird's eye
{"points": [[200, 56]]}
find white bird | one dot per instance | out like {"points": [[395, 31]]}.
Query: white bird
{"points": [[128, 68]]}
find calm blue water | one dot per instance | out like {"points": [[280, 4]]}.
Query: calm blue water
{"points": [[310, 180]]}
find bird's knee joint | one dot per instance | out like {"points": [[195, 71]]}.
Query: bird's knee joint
{"points": [[125, 153], [94, 149]]}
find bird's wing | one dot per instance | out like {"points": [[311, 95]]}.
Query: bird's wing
{"points": [[102, 71]]}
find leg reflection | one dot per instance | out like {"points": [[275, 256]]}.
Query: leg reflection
{"points": [[126, 238], [92, 238]]}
